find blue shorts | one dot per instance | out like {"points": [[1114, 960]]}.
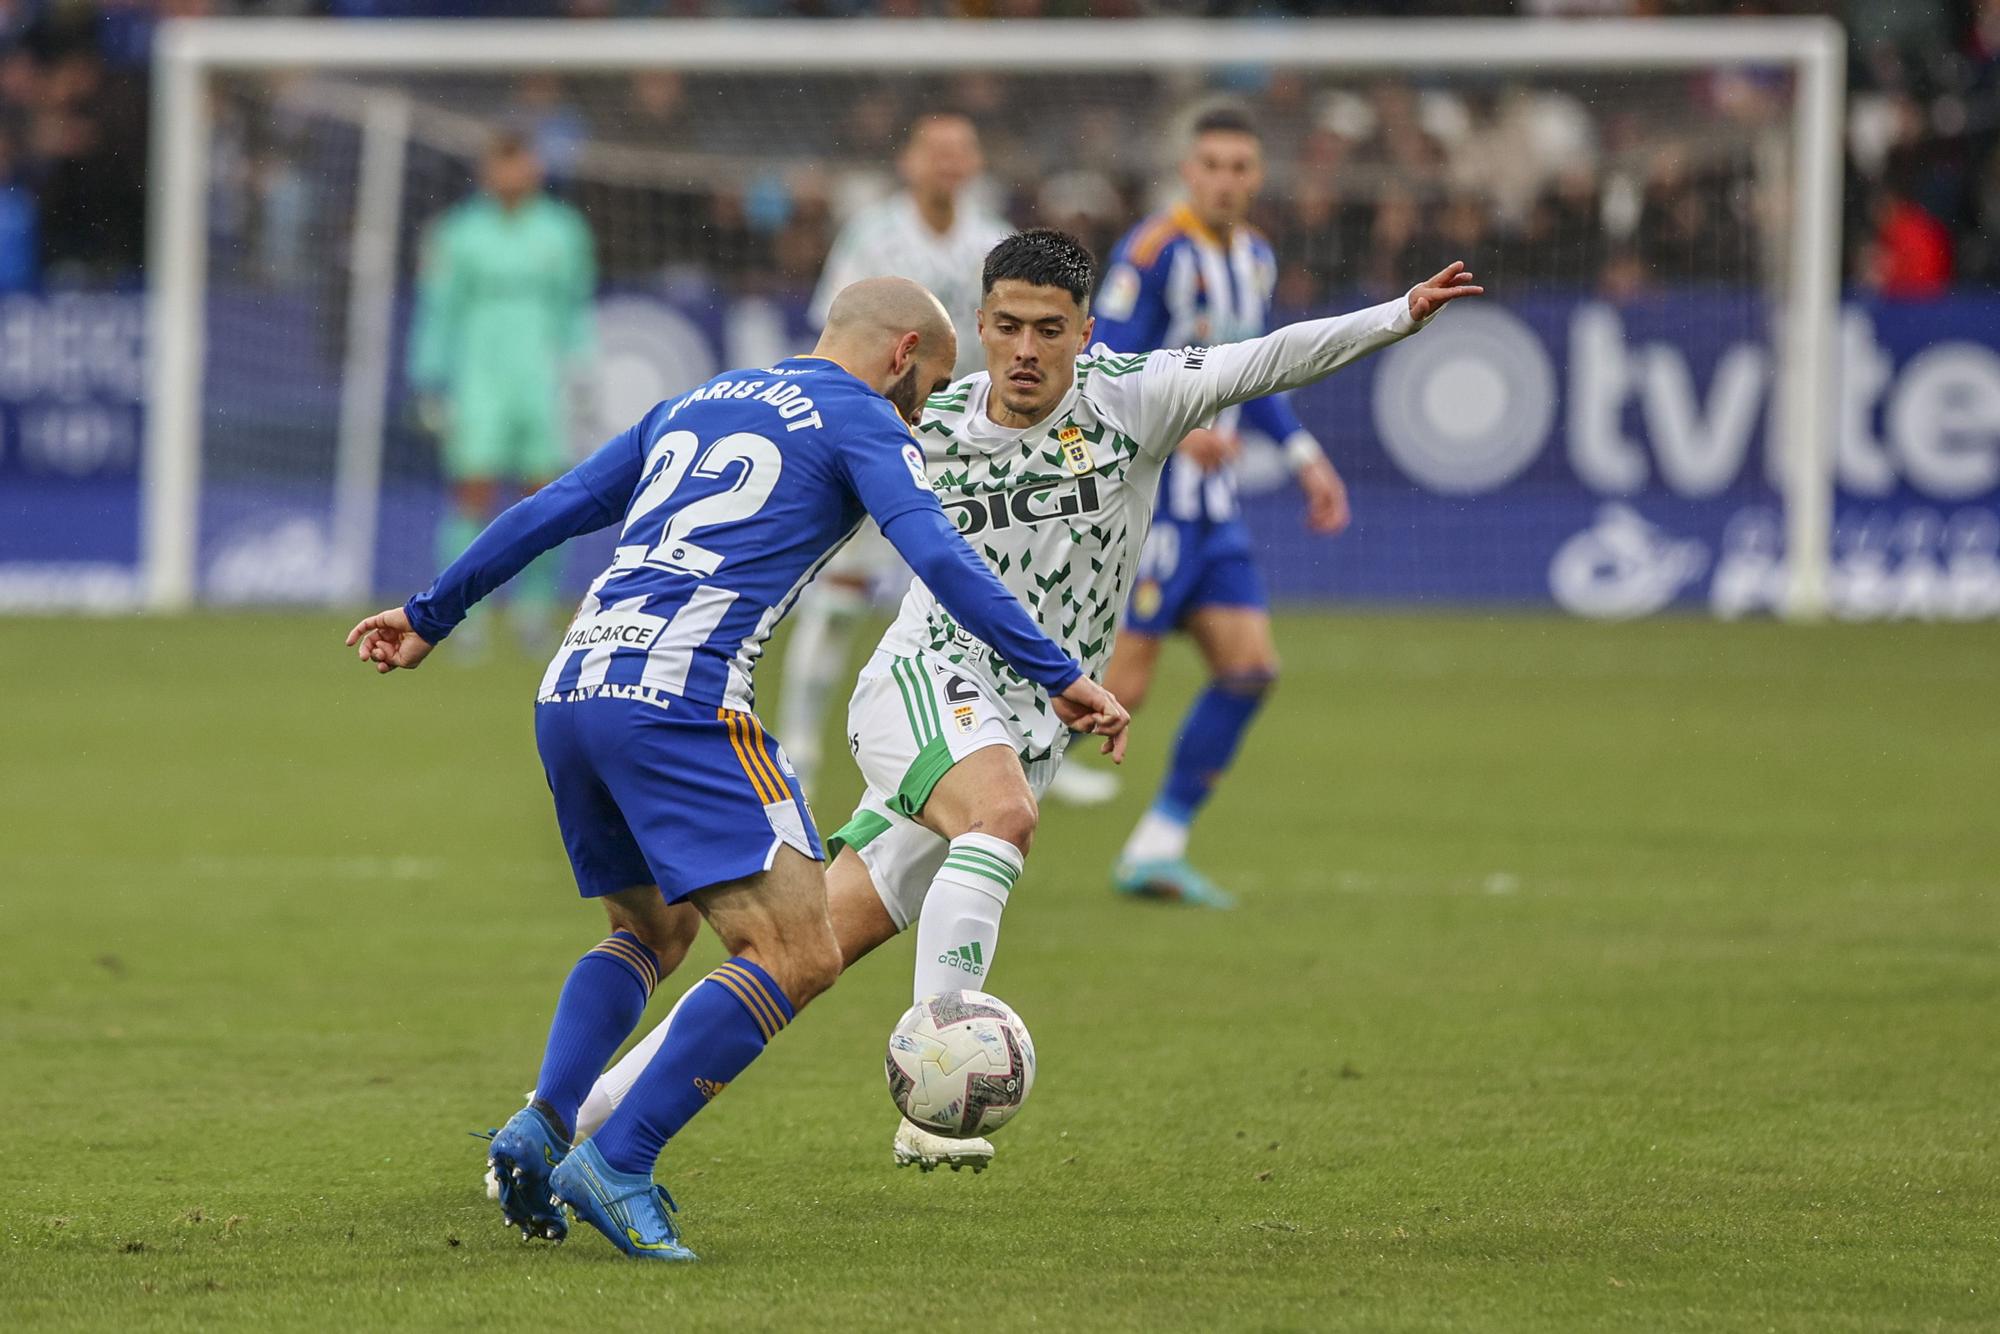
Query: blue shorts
{"points": [[1186, 566], [682, 796]]}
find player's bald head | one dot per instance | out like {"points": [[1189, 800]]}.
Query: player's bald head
{"points": [[894, 335], [888, 308]]}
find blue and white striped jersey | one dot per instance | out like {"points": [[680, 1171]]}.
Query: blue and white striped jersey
{"points": [[1171, 284], [729, 500]]}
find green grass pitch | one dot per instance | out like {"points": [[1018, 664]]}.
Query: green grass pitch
{"points": [[1587, 977]]}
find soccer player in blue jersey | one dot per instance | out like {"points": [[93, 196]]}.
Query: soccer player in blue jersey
{"points": [[1199, 274], [667, 790]]}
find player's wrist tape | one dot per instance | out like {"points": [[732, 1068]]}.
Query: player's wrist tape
{"points": [[1302, 451]]}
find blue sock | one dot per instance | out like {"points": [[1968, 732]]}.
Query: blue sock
{"points": [[720, 1026], [600, 1006], [1209, 737]]}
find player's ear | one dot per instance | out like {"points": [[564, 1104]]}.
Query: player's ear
{"points": [[904, 352], [1089, 327]]}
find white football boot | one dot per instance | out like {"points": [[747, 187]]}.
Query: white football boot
{"points": [[917, 1147]]}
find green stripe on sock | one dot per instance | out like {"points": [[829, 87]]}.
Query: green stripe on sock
{"points": [[1011, 872], [971, 868]]}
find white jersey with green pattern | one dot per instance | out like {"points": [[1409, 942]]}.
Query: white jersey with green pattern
{"points": [[1061, 509]]}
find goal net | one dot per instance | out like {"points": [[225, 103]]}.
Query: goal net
{"points": [[1638, 416]]}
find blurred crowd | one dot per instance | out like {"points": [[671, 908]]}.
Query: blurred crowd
{"points": [[1370, 179], [1617, 184]]}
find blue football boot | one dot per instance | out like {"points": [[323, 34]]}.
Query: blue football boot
{"points": [[634, 1213], [523, 1154], [1173, 880]]}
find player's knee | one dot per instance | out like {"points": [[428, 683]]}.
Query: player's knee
{"points": [[1250, 682], [1012, 819], [667, 929], [668, 934], [812, 965]]}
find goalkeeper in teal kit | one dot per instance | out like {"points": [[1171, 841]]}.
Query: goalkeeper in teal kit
{"points": [[502, 325]]}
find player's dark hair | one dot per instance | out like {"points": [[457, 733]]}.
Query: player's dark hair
{"points": [[1223, 118], [1042, 257]]}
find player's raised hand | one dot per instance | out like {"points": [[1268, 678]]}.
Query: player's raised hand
{"points": [[1451, 282], [387, 640], [1088, 707], [1326, 497]]}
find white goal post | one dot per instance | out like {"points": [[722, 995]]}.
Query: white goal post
{"points": [[189, 52]]}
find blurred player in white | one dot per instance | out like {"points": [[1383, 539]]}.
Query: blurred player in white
{"points": [[935, 232]]}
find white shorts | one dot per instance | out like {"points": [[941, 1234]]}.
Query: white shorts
{"points": [[869, 559], [910, 720]]}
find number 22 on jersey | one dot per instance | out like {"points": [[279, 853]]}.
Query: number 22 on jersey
{"points": [[675, 457]]}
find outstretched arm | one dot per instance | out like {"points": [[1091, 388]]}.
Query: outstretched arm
{"points": [[1184, 389]]}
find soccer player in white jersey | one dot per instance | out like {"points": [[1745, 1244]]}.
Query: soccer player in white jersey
{"points": [[935, 232], [1199, 273], [1048, 460]]}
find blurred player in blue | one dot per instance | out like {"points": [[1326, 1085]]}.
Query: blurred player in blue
{"points": [[671, 798], [1195, 275]]}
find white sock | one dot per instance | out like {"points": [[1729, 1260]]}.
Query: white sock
{"points": [[1156, 838], [612, 1086], [815, 663], [960, 924]]}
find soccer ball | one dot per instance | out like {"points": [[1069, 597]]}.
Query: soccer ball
{"points": [[960, 1063]]}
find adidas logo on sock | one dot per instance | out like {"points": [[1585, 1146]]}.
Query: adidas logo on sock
{"points": [[709, 1088], [969, 958]]}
